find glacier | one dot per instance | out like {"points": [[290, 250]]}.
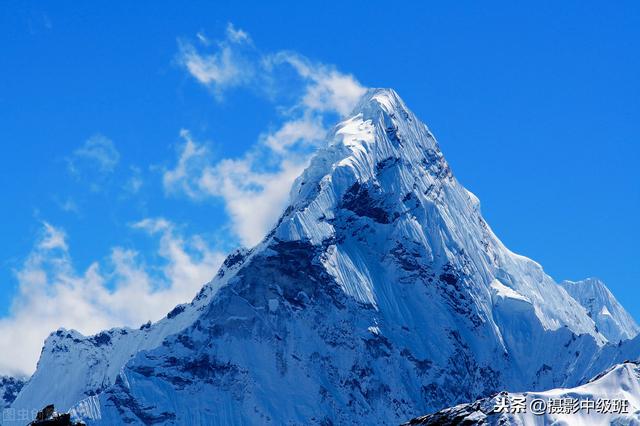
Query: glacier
{"points": [[381, 294]]}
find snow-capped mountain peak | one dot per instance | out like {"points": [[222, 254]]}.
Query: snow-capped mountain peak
{"points": [[383, 164], [612, 320], [381, 263]]}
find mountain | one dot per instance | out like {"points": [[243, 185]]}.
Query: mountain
{"points": [[9, 388], [73, 367], [612, 398], [610, 317], [381, 294]]}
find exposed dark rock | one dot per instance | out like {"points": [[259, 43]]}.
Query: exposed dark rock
{"points": [[101, 339], [10, 387], [176, 311], [48, 417], [359, 200]]}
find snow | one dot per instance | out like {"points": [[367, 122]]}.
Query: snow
{"points": [[381, 294], [621, 382], [505, 292], [610, 317], [73, 366], [273, 305]]}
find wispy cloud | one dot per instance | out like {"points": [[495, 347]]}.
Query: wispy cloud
{"points": [[94, 162], [326, 89], [68, 205], [97, 151], [254, 194], [52, 238], [302, 130], [227, 66], [135, 182], [121, 290], [252, 199], [237, 35], [192, 159], [235, 61]]}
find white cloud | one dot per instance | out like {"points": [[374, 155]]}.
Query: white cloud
{"points": [[94, 163], [202, 38], [192, 159], [52, 238], [255, 194], [68, 205], [237, 35], [97, 151], [293, 132], [228, 66], [220, 70], [134, 182], [253, 200], [327, 89], [118, 291], [235, 61]]}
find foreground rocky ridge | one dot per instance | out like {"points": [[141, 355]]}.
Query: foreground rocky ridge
{"points": [[611, 398], [381, 294]]}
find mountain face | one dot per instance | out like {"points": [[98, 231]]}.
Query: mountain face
{"points": [[381, 294], [9, 388], [73, 367], [597, 403], [610, 317]]}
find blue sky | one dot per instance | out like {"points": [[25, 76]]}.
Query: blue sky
{"points": [[535, 107]]}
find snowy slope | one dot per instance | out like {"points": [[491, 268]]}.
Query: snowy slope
{"points": [[73, 367], [380, 294], [9, 388], [619, 383], [610, 317]]}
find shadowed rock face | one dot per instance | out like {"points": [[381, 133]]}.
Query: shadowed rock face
{"points": [[380, 294]]}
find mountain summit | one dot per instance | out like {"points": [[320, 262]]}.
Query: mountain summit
{"points": [[381, 294]]}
